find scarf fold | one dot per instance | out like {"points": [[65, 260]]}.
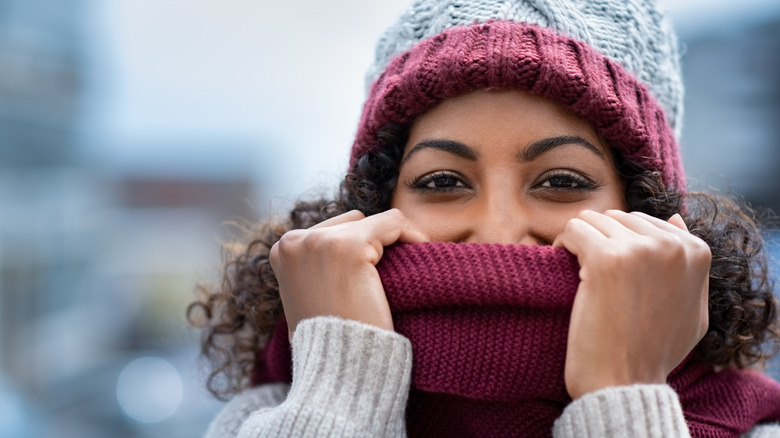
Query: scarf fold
{"points": [[488, 325]]}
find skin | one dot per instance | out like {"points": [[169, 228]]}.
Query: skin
{"points": [[475, 169], [507, 167]]}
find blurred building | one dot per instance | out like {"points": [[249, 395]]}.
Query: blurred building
{"points": [[97, 262], [40, 80], [731, 137]]}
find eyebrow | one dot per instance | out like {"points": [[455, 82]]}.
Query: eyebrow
{"points": [[533, 151], [538, 148], [451, 146]]}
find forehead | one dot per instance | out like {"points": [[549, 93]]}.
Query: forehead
{"points": [[501, 116]]}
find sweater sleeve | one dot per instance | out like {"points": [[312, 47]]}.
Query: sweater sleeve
{"points": [[645, 411], [229, 420], [764, 431], [350, 380]]}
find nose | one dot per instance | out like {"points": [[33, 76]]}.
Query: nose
{"points": [[505, 224]]}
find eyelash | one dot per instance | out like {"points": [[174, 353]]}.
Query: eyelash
{"points": [[422, 182], [572, 181]]}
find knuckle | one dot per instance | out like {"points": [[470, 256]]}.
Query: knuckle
{"points": [[671, 241], [584, 214], [356, 214], [288, 240], [328, 240], [645, 247], [282, 249], [296, 243], [701, 249], [573, 224], [613, 256], [614, 213], [315, 239], [667, 246], [570, 229], [696, 250], [273, 255], [394, 214]]}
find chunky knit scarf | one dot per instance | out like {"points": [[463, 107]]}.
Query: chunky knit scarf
{"points": [[488, 326]]}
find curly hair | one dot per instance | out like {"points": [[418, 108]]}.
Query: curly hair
{"points": [[239, 315]]}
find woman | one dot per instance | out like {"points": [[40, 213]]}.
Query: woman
{"points": [[512, 253]]}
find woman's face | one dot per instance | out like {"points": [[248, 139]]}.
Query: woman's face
{"points": [[503, 167]]}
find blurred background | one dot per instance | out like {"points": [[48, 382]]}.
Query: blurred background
{"points": [[131, 129]]}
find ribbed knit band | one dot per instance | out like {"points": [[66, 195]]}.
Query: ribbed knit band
{"points": [[633, 33], [453, 297], [510, 55], [613, 406]]}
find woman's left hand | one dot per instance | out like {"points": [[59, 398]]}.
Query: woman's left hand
{"points": [[641, 305]]}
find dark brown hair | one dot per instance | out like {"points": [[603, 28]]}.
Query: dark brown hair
{"points": [[238, 315]]}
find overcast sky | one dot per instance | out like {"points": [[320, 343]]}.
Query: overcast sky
{"points": [[271, 88]]}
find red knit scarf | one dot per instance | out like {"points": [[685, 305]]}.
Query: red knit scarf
{"points": [[488, 326]]}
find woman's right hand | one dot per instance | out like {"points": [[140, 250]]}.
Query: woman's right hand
{"points": [[330, 268]]}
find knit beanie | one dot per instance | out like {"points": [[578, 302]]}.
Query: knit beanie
{"points": [[615, 63]]}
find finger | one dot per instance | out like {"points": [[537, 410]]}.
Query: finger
{"points": [[579, 235], [350, 216], [605, 224], [636, 222], [678, 222], [392, 226], [412, 233], [664, 225]]}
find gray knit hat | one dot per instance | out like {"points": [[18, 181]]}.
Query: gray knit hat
{"points": [[632, 33]]}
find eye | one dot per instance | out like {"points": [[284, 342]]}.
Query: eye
{"points": [[566, 180], [439, 181]]}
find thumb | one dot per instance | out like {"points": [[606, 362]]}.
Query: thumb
{"points": [[411, 233], [678, 222]]}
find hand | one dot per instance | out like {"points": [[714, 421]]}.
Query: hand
{"points": [[330, 268], [641, 305]]}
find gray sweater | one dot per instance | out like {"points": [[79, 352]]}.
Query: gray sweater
{"points": [[352, 380]]}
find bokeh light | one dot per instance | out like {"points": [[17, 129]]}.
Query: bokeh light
{"points": [[149, 389]]}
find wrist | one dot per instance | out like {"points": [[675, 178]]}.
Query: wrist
{"points": [[595, 378]]}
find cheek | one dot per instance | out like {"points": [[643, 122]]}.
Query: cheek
{"points": [[548, 219], [437, 221], [614, 198]]}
